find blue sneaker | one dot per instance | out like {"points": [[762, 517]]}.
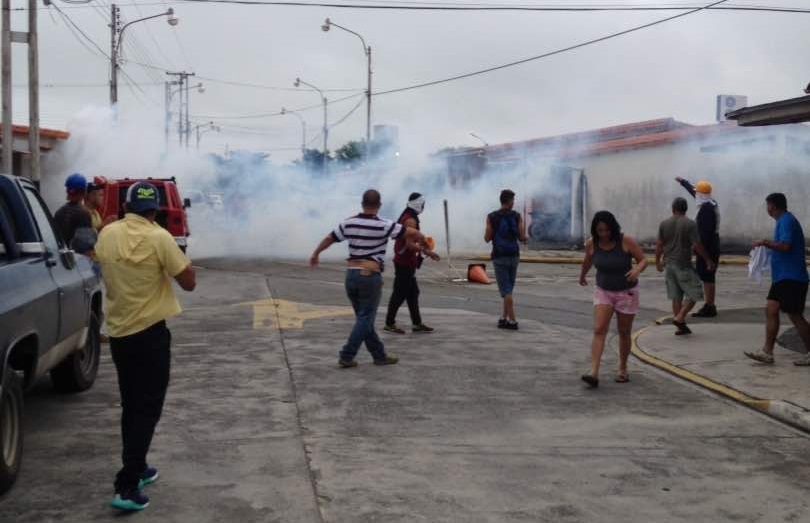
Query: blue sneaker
{"points": [[149, 476], [131, 501]]}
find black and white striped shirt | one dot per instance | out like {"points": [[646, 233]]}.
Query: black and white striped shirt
{"points": [[368, 236]]}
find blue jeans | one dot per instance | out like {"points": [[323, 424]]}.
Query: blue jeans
{"points": [[365, 292]]}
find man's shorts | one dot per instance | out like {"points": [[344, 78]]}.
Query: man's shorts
{"points": [[791, 295], [506, 273], [703, 272], [683, 284], [624, 302]]}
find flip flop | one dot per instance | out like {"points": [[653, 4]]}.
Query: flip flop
{"points": [[590, 380], [622, 377]]}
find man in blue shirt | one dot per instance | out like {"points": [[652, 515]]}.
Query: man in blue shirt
{"points": [[789, 279]]}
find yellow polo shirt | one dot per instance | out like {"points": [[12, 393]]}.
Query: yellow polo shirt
{"points": [[138, 260], [95, 219]]}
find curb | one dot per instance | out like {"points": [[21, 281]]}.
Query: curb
{"points": [[784, 411], [578, 261]]}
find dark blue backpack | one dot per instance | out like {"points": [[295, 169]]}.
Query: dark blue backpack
{"points": [[505, 240]]}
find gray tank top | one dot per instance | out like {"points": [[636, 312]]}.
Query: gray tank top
{"points": [[612, 267]]}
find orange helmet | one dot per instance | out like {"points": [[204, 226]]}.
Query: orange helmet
{"points": [[703, 187]]}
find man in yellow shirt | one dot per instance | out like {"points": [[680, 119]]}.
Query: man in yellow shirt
{"points": [[94, 200], [138, 260]]}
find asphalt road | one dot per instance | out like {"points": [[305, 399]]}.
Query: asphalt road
{"points": [[474, 425]]}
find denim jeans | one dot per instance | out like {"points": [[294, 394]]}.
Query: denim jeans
{"points": [[364, 291], [506, 273]]}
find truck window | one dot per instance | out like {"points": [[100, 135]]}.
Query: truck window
{"points": [[8, 217], [43, 220], [5, 241]]}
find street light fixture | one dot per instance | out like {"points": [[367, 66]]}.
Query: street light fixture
{"points": [[303, 130], [328, 23], [299, 83], [482, 140], [200, 131], [117, 38]]}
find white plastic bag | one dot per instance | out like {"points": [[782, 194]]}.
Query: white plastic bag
{"points": [[760, 263]]}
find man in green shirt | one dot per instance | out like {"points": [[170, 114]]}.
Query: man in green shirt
{"points": [[677, 238]]}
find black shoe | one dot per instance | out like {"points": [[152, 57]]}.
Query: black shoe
{"points": [[682, 328], [591, 380], [511, 325], [707, 311], [502, 323]]}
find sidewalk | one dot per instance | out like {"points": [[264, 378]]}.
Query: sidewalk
{"points": [[713, 358]]}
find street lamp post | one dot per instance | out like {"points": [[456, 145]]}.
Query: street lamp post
{"points": [[367, 50], [200, 131], [303, 130], [117, 37], [299, 83]]}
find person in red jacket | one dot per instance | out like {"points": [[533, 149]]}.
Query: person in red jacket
{"points": [[407, 260]]}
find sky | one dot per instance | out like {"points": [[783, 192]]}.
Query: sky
{"points": [[674, 69]]}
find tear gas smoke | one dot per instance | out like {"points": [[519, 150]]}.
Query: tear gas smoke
{"points": [[245, 205]]}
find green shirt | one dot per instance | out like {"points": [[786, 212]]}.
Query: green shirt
{"points": [[679, 235]]}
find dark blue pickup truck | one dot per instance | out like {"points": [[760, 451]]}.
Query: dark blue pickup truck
{"points": [[50, 313]]}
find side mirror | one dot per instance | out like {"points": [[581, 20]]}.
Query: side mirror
{"points": [[186, 203], [84, 240]]}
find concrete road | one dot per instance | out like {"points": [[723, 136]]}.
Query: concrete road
{"points": [[474, 425]]}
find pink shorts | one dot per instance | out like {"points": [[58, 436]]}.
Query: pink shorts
{"points": [[625, 302]]}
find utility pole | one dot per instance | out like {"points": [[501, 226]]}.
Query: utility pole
{"points": [[33, 90], [167, 113], [30, 38], [8, 137], [368, 108], [188, 125], [183, 123], [115, 27]]}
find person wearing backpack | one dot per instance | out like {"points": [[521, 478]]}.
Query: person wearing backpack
{"points": [[505, 229]]}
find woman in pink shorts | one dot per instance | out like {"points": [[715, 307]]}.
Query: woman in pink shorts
{"points": [[612, 253]]}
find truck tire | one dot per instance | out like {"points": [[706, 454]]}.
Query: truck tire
{"points": [[78, 371], [11, 434]]}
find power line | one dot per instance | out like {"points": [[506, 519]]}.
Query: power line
{"points": [[275, 114], [130, 82], [346, 117], [452, 6], [270, 87], [549, 54]]}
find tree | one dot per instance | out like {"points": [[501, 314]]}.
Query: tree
{"points": [[314, 158], [351, 153]]}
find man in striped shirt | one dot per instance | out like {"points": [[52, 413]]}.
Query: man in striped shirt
{"points": [[367, 235]]}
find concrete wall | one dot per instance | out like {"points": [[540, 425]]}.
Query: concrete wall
{"points": [[638, 185]]}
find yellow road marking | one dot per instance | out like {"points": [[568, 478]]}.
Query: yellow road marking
{"points": [[284, 314], [719, 388]]}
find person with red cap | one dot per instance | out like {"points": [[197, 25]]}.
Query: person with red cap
{"points": [[94, 201], [73, 215], [708, 222]]}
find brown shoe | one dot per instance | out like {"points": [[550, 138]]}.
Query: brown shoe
{"points": [[347, 364], [394, 328], [388, 360]]}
